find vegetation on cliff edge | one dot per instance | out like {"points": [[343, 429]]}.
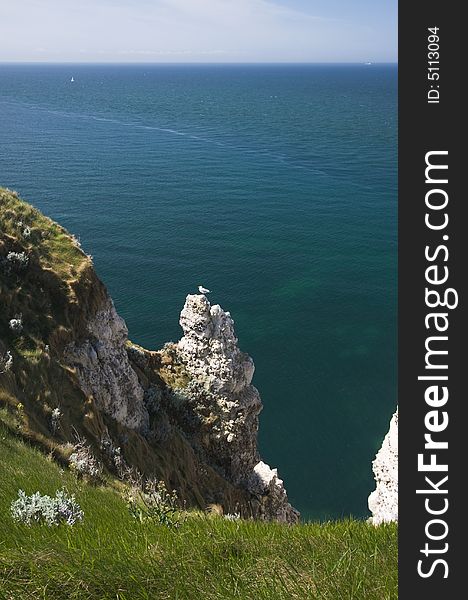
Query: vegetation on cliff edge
{"points": [[110, 555]]}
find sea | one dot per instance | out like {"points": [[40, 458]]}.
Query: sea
{"points": [[275, 186]]}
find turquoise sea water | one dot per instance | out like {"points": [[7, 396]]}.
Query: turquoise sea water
{"points": [[274, 186]]}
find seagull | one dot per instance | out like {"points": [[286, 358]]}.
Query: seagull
{"points": [[203, 290]]}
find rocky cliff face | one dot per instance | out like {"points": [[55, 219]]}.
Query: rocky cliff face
{"points": [[221, 391], [211, 403], [187, 413], [104, 371], [221, 386], [383, 502]]}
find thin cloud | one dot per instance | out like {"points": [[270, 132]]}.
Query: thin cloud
{"points": [[218, 30]]}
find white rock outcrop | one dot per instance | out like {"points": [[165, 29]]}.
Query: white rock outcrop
{"points": [[223, 393], [209, 347], [383, 502], [104, 371], [269, 489]]}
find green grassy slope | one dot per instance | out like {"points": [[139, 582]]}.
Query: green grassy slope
{"points": [[52, 295], [111, 556]]}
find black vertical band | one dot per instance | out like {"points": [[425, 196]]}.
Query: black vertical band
{"points": [[433, 359]]}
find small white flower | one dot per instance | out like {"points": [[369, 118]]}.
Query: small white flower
{"points": [[232, 516], [16, 325]]}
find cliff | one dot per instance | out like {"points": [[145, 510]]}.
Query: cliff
{"points": [[383, 502], [186, 413]]}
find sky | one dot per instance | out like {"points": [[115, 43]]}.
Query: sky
{"points": [[198, 30]]}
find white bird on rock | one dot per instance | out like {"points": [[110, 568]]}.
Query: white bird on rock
{"points": [[203, 290]]}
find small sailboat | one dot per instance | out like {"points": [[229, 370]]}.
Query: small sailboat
{"points": [[72, 80]]}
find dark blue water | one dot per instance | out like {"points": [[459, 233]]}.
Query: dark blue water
{"points": [[274, 186]]}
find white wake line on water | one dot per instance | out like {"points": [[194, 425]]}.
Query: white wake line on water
{"points": [[264, 153]]}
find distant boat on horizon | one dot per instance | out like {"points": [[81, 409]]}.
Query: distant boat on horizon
{"points": [[72, 80], [368, 63]]}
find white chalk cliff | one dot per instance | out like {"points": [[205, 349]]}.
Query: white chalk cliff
{"points": [[383, 502], [104, 371], [221, 384]]}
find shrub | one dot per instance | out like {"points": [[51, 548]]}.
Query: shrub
{"points": [[20, 416], [46, 510], [83, 462], [114, 454], [14, 262], [153, 502], [16, 325], [6, 362], [55, 417]]}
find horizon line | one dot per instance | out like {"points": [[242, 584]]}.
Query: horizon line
{"points": [[155, 63]]}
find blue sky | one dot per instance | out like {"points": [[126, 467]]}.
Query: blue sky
{"points": [[198, 30]]}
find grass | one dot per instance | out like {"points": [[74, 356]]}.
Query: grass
{"points": [[53, 296], [112, 556], [57, 253]]}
